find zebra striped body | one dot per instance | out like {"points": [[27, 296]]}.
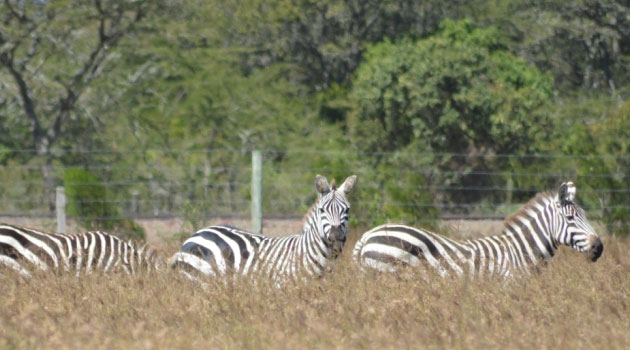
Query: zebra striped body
{"points": [[221, 250], [23, 248], [530, 236]]}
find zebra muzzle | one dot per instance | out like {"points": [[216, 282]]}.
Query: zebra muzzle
{"points": [[337, 246], [596, 250], [336, 239]]}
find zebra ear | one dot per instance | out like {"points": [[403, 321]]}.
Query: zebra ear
{"points": [[348, 185], [321, 185], [566, 193]]}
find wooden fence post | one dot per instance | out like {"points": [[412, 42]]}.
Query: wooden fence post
{"points": [[135, 203], [257, 191], [60, 206]]}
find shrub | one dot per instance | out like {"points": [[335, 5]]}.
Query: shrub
{"points": [[87, 203]]}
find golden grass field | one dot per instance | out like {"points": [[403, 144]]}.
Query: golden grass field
{"points": [[571, 304]]}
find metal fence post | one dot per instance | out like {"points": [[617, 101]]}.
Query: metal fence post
{"points": [[257, 191], [60, 207]]}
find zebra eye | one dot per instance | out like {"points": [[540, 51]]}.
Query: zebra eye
{"points": [[321, 210], [570, 217]]}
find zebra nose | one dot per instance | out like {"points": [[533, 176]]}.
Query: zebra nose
{"points": [[336, 233], [337, 239], [596, 249]]}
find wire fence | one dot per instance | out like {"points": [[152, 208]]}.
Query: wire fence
{"points": [[211, 183]]}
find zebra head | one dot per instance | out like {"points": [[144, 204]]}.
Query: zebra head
{"points": [[576, 231], [332, 211]]}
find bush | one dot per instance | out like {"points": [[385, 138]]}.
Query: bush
{"points": [[457, 92], [87, 203], [609, 138]]}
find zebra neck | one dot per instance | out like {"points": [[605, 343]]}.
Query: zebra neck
{"points": [[315, 236], [310, 221], [524, 243], [312, 227], [529, 238], [317, 255]]}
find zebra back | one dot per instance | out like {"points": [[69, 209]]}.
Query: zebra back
{"points": [[23, 249]]}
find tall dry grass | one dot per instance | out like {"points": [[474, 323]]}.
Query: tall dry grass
{"points": [[571, 304]]}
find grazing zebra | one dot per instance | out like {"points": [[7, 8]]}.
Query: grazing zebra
{"points": [[221, 250], [81, 252], [531, 235]]}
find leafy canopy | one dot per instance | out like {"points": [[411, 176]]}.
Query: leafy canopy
{"points": [[457, 91]]}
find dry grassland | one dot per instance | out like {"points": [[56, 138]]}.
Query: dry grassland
{"points": [[571, 304]]}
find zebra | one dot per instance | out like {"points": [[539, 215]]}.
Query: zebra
{"points": [[80, 252], [221, 250], [530, 236]]}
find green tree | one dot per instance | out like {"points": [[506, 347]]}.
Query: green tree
{"points": [[602, 166], [326, 39], [51, 53], [192, 95], [458, 92], [583, 43]]}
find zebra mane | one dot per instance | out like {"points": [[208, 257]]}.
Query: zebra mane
{"points": [[537, 199], [310, 210]]}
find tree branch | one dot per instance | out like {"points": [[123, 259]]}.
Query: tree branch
{"points": [[21, 17], [91, 68], [32, 50], [27, 102]]}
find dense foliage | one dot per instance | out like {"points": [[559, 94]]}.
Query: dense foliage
{"points": [[87, 200], [439, 107], [458, 91]]}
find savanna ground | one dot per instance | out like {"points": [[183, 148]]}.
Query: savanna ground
{"points": [[571, 304]]}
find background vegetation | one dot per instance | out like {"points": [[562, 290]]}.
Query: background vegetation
{"points": [[458, 107]]}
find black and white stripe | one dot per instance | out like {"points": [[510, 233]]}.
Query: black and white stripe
{"points": [[222, 250], [530, 236], [23, 249]]}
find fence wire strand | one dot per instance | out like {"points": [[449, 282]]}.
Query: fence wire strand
{"points": [[159, 195]]}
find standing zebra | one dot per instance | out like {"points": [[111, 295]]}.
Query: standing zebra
{"points": [[80, 252], [219, 250], [531, 235]]}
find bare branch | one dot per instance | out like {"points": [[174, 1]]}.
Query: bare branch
{"points": [[113, 22], [94, 64], [27, 101]]}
